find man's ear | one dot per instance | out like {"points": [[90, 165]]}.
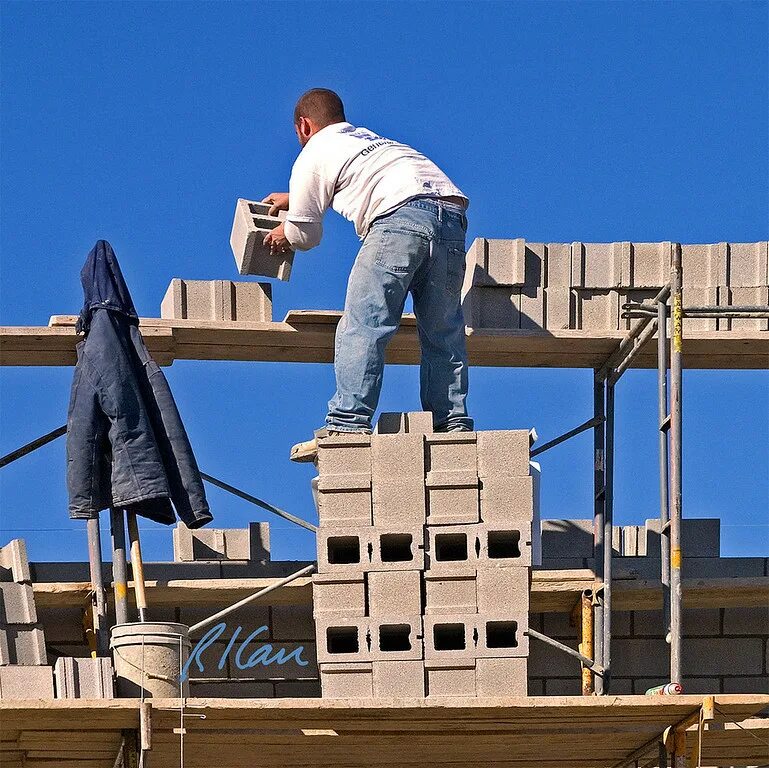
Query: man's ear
{"points": [[304, 128]]}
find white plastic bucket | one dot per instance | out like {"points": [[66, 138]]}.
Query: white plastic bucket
{"points": [[149, 657]]}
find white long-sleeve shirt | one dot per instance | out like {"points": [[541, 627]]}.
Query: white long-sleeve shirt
{"points": [[361, 176]]}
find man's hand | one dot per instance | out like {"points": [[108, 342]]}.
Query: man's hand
{"points": [[278, 200], [277, 241]]}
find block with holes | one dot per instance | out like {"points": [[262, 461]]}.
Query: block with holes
{"points": [[252, 223], [482, 545], [342, 638], [476, 636], [396, 638], [363, 549]]}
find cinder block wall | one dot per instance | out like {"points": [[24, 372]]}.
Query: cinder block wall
{"points": [[726, 650]]}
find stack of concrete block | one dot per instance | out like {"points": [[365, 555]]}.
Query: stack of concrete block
{"points": [[480, 499], [516, 285], [222, 300], [250, 544], [78, 678], [251, 225], [424, 549], [23, 660]]}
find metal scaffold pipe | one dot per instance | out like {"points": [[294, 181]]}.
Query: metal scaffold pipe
{"points": [[664, 426], [599, 488], [676, 506]]}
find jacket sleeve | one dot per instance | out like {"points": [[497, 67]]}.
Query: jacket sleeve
{"points": [[87, 448]]}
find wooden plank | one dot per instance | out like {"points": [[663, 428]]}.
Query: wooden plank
{"points": [[551, 592], [308, 336], [521, 732]]}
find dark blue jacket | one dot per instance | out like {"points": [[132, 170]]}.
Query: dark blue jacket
{"points": [[126, 444]]}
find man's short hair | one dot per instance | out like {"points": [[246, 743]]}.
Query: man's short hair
{"points": [[320, 105]]}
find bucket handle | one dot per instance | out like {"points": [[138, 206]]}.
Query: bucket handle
{"points": [[152, 676]]}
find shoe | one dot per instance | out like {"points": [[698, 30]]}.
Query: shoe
{"points": [[308, 450]]}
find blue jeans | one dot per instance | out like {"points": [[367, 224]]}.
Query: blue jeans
{"points": [[420, 247]]}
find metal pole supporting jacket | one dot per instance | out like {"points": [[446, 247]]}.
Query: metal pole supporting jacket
{"points": [[126, 444]]}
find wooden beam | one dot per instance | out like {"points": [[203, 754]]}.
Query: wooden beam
{"points": [[308, 337], [551, 592]]}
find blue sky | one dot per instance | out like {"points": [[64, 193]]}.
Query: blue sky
{"points": [[141, 123]]}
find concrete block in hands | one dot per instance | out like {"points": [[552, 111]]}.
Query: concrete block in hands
{"points": [[399, 679], [394, 593], [252, 223]]}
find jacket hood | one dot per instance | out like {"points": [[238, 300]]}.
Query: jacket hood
{"points": [[103, 286]]}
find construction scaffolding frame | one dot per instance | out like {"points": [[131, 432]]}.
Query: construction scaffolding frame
{"points": [[593, 610]]}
